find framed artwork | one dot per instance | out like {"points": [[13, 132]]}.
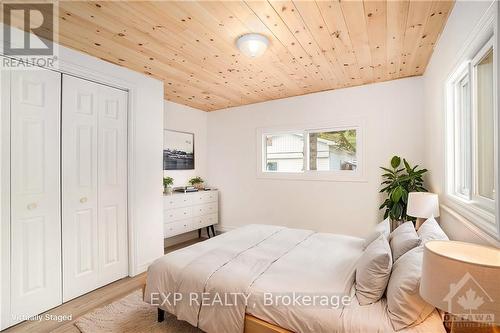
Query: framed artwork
{"points": [[178, 150]]}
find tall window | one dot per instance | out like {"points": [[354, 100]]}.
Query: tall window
{"points": [[472, 137], [311, 151]]}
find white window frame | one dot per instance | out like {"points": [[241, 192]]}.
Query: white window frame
{"points": [[485, 203], [357, 175], [482, 212]]}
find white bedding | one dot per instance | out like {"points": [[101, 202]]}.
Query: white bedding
{"points": [[258, 261]]}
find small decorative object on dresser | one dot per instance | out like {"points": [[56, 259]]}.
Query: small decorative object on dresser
{"points": [[167, 185], [185, 212], [197, 182]]}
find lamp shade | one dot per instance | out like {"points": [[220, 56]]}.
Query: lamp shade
{"points": [[422, 204], [462, 279]]}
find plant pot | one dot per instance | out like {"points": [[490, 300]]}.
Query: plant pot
{"points": [[199, 186], [168, 190]]}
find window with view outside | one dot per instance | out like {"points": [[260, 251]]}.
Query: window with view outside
{"points": [[332, 150], [284, 152], [485, 127]]}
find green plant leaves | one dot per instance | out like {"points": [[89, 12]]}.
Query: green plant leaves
{"points": [[397, 183], [395, 161], [397, 194]]}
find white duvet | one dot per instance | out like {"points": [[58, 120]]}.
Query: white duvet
{"points": [[256, 270]]}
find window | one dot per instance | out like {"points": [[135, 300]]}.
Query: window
{"points": [[332, 151], [472, 143], [285, 152], [483, 72], [307, 153]]}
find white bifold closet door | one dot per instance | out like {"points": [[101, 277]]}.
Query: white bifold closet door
{"points": [[94, 185], [35, 192]]}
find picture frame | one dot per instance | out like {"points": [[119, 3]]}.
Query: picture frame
{"points": [[178, 150]]}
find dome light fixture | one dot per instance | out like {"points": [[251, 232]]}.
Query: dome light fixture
{"points": [[252, 45]]}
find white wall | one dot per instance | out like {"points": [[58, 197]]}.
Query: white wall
{"points": [[393, 116], [463, 19], [186, 119]]}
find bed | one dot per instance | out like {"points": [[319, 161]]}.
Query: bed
{"points": [[247, 277]]}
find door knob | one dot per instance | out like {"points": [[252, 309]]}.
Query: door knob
{"points": [[32, 206], [83, 199]]}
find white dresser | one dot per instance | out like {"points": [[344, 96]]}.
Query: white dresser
{"points": [[184, 212]]}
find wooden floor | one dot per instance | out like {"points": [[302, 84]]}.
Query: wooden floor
{"points": [[88, 302]]}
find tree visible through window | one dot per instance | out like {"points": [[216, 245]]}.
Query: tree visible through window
{"points": [[333, 150]]}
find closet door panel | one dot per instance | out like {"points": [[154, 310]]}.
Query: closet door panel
{"points": [[80, 187], [112, 175], [35, 192]]}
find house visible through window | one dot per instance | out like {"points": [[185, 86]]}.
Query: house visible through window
{"points": [[285, 152], [322, 150]]}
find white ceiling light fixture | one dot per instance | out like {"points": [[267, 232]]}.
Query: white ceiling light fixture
{"points": [[252, 45]]}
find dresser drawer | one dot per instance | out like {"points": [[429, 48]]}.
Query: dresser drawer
{"points": [[175, 214], [177, 201], [204, 221], [178, 227], [171, 229], [205, 197], [210, 219], [205, 209], [209, 196]]}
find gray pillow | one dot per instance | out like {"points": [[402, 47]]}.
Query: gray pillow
{"points": [[430, 230], [373, 271], [404, 304], [403, 239]]}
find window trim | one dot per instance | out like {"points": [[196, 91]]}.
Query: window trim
{"points": [[483, 33], [357, 175]]}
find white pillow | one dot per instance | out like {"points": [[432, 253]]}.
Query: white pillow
{"points": [[430, 230], [373, 271], [404, 304], [383, 228], [403, 239], [402, 228]]}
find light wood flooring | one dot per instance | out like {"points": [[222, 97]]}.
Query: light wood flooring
{"points": [[88, 302]]}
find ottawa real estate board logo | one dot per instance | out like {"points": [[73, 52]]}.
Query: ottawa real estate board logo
{"points": [[469, 303], [29, 32]]}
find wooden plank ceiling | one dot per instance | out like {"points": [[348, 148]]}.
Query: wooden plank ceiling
{"points": [[314, 45]]}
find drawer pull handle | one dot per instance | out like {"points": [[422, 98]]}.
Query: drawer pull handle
{"points": [[83, 199], [31, 206]]}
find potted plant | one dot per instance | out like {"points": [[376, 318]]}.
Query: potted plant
{"points": [[397, 182], [167, 185], [196, 182]]}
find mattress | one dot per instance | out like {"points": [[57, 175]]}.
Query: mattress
{"points": [[259, 270]]}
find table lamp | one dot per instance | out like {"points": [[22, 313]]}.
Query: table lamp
{"points": [[422, 205], [463, 280]]}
